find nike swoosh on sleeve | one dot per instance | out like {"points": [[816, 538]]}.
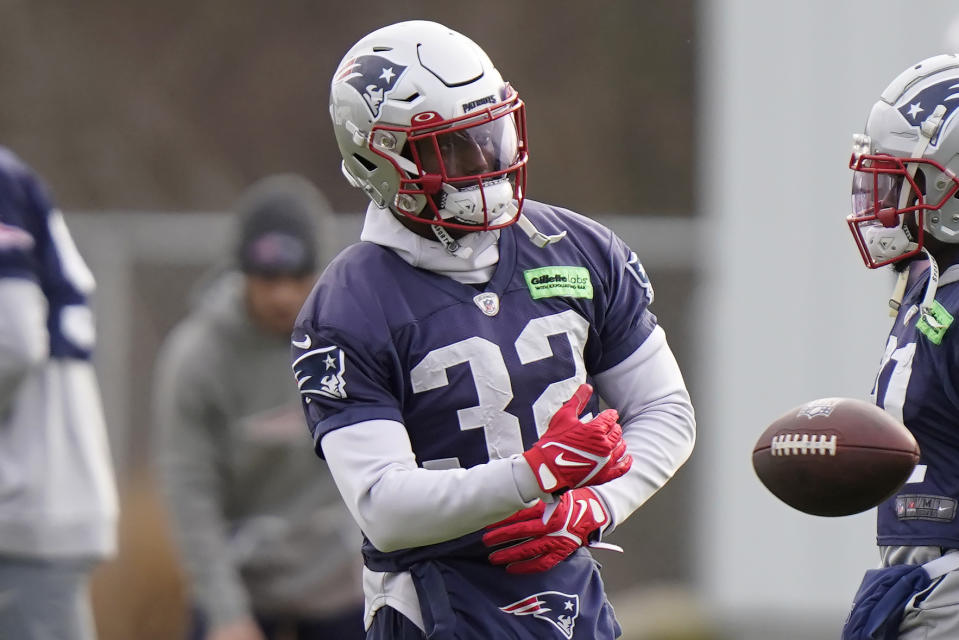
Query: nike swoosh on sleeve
{"points": [[305, 343]]}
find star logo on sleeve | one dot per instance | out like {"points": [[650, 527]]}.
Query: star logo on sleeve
{"points": [[329, 382]]}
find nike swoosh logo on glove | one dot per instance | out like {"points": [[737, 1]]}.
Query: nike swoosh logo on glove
{"points": [[583, 508], [563, 462]]}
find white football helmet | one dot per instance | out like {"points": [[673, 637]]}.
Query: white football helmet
{"points": [[427, 126], [905, 165]]}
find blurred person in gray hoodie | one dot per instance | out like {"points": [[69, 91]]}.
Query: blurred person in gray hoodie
{"points": [[58, 502], [268, 547]]}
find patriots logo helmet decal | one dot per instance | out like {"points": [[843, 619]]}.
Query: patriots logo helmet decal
{"points": [[372, 76], [557, 608], [920, 106]]}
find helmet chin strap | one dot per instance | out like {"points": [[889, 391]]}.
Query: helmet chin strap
{"points": [[928, 129], [452, 246], [925, 307], [895, 300], [928, 298], [494, 199], [536, 236]]}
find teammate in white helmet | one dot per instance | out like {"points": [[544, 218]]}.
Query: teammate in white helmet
{"points": [[906, 214]]}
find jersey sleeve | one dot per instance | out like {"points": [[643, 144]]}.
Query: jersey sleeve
{"points": [[23, 210], [627, 320], [344, 363], [35, 244]]}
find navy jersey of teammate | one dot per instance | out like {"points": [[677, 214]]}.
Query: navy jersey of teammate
{"points": [[35, 245], [446, 363], [918, 382], [905, 213], [58, 502]]}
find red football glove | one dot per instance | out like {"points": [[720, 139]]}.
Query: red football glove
{"points": [[573, 454], [578, 514]]}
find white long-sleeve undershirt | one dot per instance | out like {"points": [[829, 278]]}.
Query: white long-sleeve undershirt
{"points": [[659, 425], [399, 505], [23, 335]]}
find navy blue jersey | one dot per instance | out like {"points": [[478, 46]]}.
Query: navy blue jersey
{"points": [[918, 381], [475, 373], [35, 245]]}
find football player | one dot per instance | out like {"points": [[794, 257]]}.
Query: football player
{"points": [[447, 362], [58, 499], [905, 198]]}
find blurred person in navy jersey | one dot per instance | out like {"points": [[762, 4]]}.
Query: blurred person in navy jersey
{"points": [[58, 502], [269, 549]]}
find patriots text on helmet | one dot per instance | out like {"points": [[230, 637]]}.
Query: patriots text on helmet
{"points": [[475, 104]]}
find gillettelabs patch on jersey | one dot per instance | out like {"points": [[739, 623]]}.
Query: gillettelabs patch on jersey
{"points": [[940, 317], [372, 76], [921, 105], [557, 608], [320, 372], [558, 281]]}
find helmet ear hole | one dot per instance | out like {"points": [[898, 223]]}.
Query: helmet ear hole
{"points": [[369, 166], [920, 179]]}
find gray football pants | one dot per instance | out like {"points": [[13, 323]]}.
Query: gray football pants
{"points": [[42, 600], [936, 616]]}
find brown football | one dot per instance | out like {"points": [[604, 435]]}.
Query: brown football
{"points": [[835, 456]]}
